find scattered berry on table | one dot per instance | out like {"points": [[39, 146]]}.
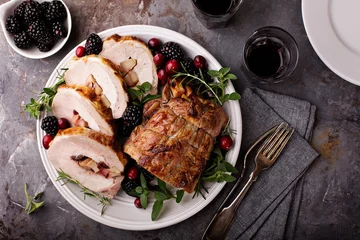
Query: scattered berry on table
{"points": [[148, 176], [188, 65], [13, 24], [44, 47], [172, 50], [47, 140], [172, 66], [225, 142], [137, 203], [127, 185], [63, 123], [58, 30], [133, 173], [32, 11], [55, 11], [50, 125], [80, 51], [154, 43], [163, 76], [22, 40], [93, 44], [159, 59], [200, 62], [133, 115], [20, 9]]}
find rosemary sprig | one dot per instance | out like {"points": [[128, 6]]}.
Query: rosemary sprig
{"points": [[227, 130], [104, 201], [45, 97]]}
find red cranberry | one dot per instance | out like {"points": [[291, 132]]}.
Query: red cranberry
{"points": [[154, 43], [200, 62], [163, 76], [63, 123], [159, 59], [47, 140], [133, 173], [137, 203], [172, 66], [80, 51], [225, 142]]}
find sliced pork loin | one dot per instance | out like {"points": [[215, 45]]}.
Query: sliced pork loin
{"points": [[81, 106], [90, 158], [123, 51], [106, 75]]}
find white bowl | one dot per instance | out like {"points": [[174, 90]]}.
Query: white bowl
{"points": [[33, 52]]}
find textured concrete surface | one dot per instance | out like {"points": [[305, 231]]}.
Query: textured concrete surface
{"points": [[330, 207]]}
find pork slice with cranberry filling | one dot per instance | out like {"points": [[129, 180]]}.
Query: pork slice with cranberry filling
{"points": [[81, 106], [89, 157]]}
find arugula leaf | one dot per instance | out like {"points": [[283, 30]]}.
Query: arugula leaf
{"points": [[156, 209], [31, 205]]}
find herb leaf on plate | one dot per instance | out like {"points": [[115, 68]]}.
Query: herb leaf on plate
{"points": [[140, 93]]}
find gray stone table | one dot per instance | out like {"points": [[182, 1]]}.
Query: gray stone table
{"points": [[330, 207]]}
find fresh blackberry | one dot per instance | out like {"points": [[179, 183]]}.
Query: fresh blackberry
{"points": [[58, 30], [172, 50], [13, 24], [44, 47], [32, 11], [50, 125], [37, 30], [22, 40], [133, 115], [188, 65], [20, 9], [55, 11], [93, 44], [44, 7], [125, 129], [148, 176], [128, 185]]}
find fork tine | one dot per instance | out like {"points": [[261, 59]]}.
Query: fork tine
{"points": [[271, 137], [282, 146], [275, 140], [280, 141]]}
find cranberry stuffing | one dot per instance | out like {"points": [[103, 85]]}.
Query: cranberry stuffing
{"points": [[80, 51], [154, 43], [163, 76], [172, 66], [133, 173], [159, 59], [137, 203], [200, 62], [63, 123], [47, 140], [225, 142]]}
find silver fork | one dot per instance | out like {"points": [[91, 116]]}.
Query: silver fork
{"points": [[265, 157]]}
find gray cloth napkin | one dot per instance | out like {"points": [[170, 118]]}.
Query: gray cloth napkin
{"points": [[269, 211]]}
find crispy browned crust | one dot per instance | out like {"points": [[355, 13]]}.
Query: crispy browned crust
{"points": [[118, 38], [176, 141], [96, 136]]}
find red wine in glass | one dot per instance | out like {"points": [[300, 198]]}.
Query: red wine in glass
{"points": [[214, 7]]}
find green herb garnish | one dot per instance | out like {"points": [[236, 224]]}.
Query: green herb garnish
{"points": [[217, 88], [31, 205], [104, 201], [161, 193], [140, 93], [45, 97], [217, 170]]}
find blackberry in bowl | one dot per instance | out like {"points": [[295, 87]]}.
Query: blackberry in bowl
{"points": [[36, 28]]}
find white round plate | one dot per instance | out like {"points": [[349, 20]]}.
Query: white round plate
{"points": [[122, 212], [333, 28], [7, 9]]}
